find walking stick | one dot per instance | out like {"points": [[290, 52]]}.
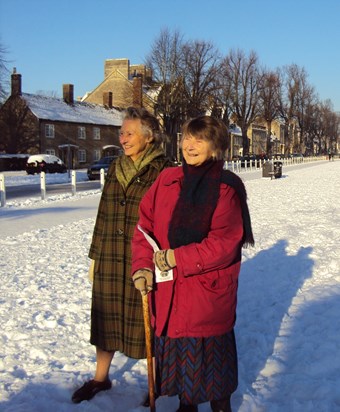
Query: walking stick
{"points": [[148, 342]]}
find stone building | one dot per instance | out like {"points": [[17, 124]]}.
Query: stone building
{"points": [[77, 132], [130, 85]]}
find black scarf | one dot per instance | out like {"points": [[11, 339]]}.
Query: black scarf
{"points": [[231, 179], [191, 219]]}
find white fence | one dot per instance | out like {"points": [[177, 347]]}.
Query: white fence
{"points": [[235, 166], [43, 184], [252, 164]]}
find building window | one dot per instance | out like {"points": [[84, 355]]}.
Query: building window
{"points": [[81, 132], [49, 131], [96, 133], [50, 152], [96, 155], [81, 156]]}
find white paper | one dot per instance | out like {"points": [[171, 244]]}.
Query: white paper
{"points": [[160, 276]]}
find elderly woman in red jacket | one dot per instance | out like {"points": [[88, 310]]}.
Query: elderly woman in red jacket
{"points": [[199, 218]]}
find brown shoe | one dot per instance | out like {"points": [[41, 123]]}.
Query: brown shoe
{"points": [[90, 389], [222, 405], [187, 408]]}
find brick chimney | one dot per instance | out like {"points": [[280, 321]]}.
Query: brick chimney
{"points": [[68, 93], [107, 99], [137, 91], [16, 83]]}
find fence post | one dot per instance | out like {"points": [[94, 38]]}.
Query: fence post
{"points": [[74, 182], [102, 179], [2, 190], [43, 185]]}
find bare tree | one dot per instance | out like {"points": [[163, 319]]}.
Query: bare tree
{"points": [[201, 68], [296, 98], [18, 128], [166, 61], [314, 128], [288, 102], [306, 98], [269, 101], [4, 72], [221, 105], [245, 81], [331, 124]]}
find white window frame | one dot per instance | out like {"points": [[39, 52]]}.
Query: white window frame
{"points": [[96, 155], [49, 131], [82, 132], [81, 155], [96, 133], [50, 152]]}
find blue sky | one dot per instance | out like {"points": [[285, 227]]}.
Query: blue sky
{"points": [[67, 41]]}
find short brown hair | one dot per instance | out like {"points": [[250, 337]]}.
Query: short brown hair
{"points": [[210, 129]]}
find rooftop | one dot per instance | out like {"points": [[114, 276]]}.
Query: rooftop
{"points": [[56, 109]]}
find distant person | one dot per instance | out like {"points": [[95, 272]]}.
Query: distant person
{"points": [[198, 215], [330, 155], [116, 315]]}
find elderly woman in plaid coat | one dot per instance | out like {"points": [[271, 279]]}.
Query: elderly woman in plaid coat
{"points": [[117, 315]]}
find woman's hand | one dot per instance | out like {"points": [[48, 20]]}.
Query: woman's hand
{"points": [[143, 280], [164, 259]]}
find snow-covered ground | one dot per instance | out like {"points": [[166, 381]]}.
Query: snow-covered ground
{"points": [[288, 310]]}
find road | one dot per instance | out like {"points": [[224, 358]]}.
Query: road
{"points": [[33, 190], [30, 190]]}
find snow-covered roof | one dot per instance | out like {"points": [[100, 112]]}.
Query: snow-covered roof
{"points": [[51, 108]]}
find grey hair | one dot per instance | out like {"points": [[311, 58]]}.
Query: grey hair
{"points": [[150, 124]]}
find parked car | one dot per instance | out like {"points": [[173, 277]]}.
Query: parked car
{"points": [[45, 163], [248, 160], [277, 156], [93, 172]]}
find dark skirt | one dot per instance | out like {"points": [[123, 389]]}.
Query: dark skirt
{"points": [[196, 369]]}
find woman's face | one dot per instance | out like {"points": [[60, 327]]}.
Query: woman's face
{"points": [[132, 140], [195, 150]]}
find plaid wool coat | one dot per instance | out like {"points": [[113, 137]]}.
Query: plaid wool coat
{"points": [[116, 314]]}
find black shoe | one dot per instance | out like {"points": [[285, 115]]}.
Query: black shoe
{"points": [[90, 389], [222, 405], [187, 408], [146, 403]]}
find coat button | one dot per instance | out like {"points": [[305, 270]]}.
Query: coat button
{"points": [[122, 202], [120, 232]]}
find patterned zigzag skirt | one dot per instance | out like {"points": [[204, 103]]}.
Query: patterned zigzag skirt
{"points": [[196, 369]]}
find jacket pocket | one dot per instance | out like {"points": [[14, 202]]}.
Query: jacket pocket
{"points": [[219, 280]]}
